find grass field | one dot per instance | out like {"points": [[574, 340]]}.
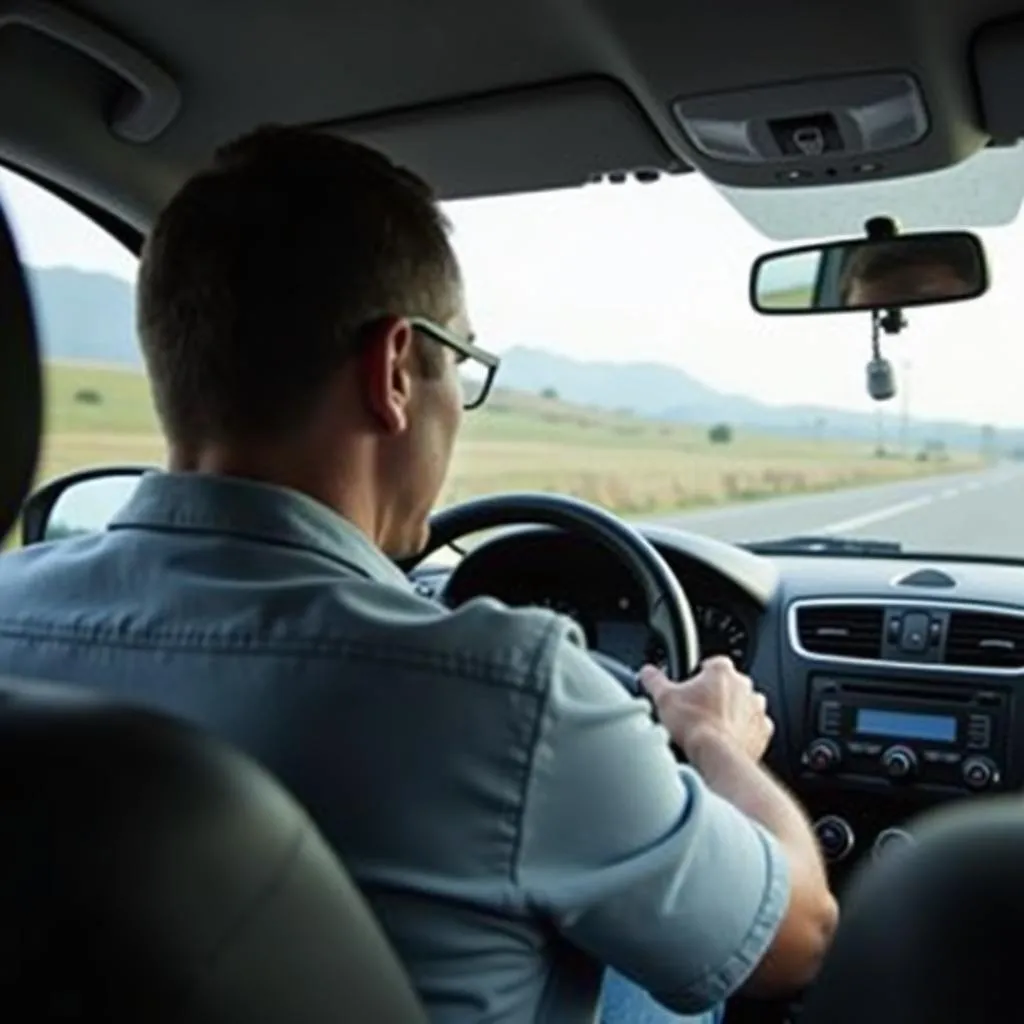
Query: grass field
{"points": [[787, 298], [515, 442]]}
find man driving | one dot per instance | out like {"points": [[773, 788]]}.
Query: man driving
{"points": [[516, 819], [893, 274]]}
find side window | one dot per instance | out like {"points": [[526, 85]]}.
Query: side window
{"points": [[98, 407]]}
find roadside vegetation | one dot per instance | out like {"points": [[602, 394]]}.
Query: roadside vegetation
{"points": [[628, 464]]}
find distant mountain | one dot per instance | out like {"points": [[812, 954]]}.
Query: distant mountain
{"points": [[649, 389], [665, 392], [85, 316], [89, 316]]}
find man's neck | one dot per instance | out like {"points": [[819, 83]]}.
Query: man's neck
{"points": [[346, 492]]}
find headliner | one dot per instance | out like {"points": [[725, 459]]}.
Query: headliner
{"points": [[400, 72]]}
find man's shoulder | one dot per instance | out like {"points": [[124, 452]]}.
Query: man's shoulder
{"points": [[25, 564], [525, 640], [482, 638], [304, 600], [41, 573]]}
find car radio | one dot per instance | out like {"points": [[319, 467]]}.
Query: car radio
{"points": [[924, 734]]}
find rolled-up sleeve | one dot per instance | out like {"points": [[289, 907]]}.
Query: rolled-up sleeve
{"points": [[633, 859]]}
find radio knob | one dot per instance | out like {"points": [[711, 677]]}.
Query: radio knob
{"points": [[979, 773], [899, 763], [890, 839], [823, 756], [835, 837]]}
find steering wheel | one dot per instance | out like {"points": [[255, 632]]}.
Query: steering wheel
{"points": [[668, 610]]}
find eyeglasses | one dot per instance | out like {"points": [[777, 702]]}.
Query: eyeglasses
{"points": [[476, 367]]}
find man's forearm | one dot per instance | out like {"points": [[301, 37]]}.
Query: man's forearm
{"points": [[806, 931], [735, 777]]}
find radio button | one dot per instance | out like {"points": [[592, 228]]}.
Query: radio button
{"points": [[823, 756], [979, 732], [914, 637], [835, 837], [899, 763], [829, 717], [941, 756], [979, 773]]}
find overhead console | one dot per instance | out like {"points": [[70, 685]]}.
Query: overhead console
{"points": [[844, 129], [821, 132]]}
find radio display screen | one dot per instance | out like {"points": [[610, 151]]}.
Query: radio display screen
{"points": [[906, 725]]}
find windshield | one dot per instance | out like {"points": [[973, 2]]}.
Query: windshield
{"points": [[635, 374]]}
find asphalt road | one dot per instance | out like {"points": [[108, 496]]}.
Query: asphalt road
{"points": [[976, 513]]}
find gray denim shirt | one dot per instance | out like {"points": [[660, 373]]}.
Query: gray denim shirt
{"points": [[515, 818]]}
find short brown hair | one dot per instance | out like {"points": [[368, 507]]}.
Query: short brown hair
{"points": [[873, 261], [261, 272]]}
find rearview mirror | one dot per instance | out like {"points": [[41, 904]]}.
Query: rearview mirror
{"points": [[868, 274], [79, 503]]}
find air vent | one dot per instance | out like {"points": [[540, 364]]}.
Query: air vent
{"points": [[985, 640], [841, 630]]}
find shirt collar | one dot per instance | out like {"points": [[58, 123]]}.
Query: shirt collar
{"points": [[202, 503]]}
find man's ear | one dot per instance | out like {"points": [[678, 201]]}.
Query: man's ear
{"points": [[388, 365]]}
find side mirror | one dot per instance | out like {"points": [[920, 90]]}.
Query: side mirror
{"points": [[79, 503]]}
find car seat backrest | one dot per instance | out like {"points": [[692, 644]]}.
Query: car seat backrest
{"points": [[20, 384]]}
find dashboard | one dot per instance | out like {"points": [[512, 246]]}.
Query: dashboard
{"points": [[583, 581], [894, 682]]}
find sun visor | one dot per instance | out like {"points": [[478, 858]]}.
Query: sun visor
{"points": [[543, 137], [998, 54]]}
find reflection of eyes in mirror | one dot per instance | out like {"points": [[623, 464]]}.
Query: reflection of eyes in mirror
{"points": [[871, 274], [89, 505], [897, 285]]}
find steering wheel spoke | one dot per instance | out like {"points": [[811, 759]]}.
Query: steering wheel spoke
{"points": [[627, 677]]}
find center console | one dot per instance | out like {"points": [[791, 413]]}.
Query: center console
{"points": [[875, 751], [920, 743], [887, 707], [879, 733]]}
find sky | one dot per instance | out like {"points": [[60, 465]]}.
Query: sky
{"points": [[659, 273]]}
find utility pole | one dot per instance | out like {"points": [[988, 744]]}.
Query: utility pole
{"points": [[905, 407]]}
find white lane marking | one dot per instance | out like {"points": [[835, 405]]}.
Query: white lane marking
{"points": [[902, 507], [695, 518], [888, 512], [709, 517]]}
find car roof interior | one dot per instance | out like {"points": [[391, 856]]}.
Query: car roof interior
{"points": [[117, 101]]}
